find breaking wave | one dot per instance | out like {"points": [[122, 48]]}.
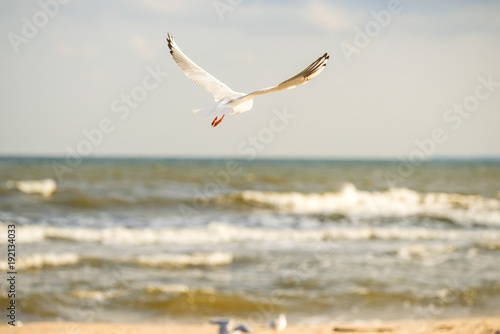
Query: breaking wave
{"points": [[182, 300], [423, 251], [42, 187], [96, 294], [45, 260], [42, 260], [184, 260], [394, 202], [223, 233], [176, 299]]}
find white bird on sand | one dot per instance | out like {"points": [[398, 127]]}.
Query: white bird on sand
{"points": [[228, 101], [226, 326], [279, 323]]}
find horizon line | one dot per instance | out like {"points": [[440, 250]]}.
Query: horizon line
{"points": [[263, 158]]}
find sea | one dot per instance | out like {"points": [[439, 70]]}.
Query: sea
{"points": [[187, 240]]}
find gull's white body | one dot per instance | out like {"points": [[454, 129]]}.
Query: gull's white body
{"points": [[279, 323], [229, 102], [226, 106]]}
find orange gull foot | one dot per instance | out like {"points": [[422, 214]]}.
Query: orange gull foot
{"points": [[216, 122]]}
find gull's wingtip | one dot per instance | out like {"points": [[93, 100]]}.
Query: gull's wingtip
{"points": [[170, 40], [325, 58]]}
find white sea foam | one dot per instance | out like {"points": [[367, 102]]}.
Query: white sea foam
{"points": [[168, 288], [424, 251], [42, 187], [29, 233], [176, 289], [223, 233], [42, 260], [183, 260], [96, 295], [395, 202]]}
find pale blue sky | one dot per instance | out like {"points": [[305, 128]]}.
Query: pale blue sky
{"points": [[393, 91]]}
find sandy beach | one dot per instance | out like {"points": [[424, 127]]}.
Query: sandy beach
{"points": [[449, 326]]}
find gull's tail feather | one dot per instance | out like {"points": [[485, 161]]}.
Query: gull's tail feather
{"points": [[214, 111]]}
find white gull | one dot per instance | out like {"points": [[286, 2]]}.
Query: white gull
{"points": [[229, 102]]}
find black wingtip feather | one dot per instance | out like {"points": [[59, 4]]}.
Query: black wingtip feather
{"points": [[169, 38], [169, 42]]}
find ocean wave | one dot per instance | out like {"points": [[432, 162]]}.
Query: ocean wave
{"points": [[42, 187], [89, 201], [424, 251], [492, 245], [184, 260], [394, 202], [46, 260], [223, 233], [42, 260], [167, 288], [176, 299], [96, 294], [182, 300]]}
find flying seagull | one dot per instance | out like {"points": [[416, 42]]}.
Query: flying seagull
{"points": [[226, 326], [228, 101]]}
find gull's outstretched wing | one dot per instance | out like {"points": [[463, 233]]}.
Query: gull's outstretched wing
{"points": [[307, 74], [204, 79], [225, 325], [243, 328]]}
